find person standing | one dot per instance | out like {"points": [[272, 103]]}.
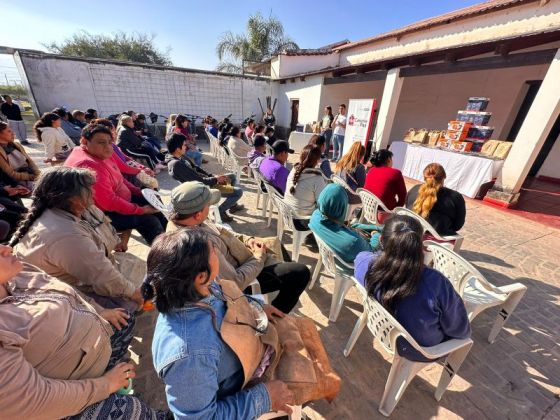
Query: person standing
{"points": [[339, 128], [15, 121], [326, 130]]}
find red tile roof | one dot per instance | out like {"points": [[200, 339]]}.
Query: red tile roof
{"points": [[467, 12]]}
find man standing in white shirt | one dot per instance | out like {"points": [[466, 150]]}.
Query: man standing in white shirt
{"points": [[339, 127]]}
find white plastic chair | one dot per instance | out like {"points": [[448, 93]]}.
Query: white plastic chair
{"points": [[452, 241], [342, 272], [387, 329], [371, 206], [286, 216], [351, 207], [477, 292], [238, 163], [154, 199], [266, 204]]}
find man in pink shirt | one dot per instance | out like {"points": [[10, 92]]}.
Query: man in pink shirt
{"points": [[121, 201]]}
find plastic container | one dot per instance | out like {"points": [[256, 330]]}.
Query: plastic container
{"points": [[477, 118], [477, 103], [481, 132]]}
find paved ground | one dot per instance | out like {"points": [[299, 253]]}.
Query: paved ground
{"points": [[517, 377]]}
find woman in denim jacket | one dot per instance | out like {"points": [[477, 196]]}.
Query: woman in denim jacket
{"points": [[204, 378]]}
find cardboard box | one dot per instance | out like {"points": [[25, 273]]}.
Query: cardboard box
{"points": [[475, 117], [452, 135], [459, 125], [461, 146], [477, 103]]}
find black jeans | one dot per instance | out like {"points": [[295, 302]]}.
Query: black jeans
{"points": [[289, 278], [12, 214], [148, 225]]}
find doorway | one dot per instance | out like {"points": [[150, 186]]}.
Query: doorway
{"points": [[532, 91], [295, 114], [546, 148]]}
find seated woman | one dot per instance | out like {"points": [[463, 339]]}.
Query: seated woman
{"points": [[182, 127], [11, 211], [66, 236], [304, 185], [132, 144], [236, 144], [384, 181], [142, 128], [250, 129], [233, 355], [17, 169], [48, 130], [421, 299], [257, 153], [442, 207], [325, 165], [327, 222], [59, 357], [350, 169]]}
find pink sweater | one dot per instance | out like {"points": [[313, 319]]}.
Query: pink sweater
{"points": [[111, 191]]}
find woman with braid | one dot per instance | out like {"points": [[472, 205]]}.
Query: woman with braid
{"points": [[442, 207], [305, 183], [68, 237]]}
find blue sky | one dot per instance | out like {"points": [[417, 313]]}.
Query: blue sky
{"points": [[192, 28]]}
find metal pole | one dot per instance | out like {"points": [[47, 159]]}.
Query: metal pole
{"points": [[242, 78]]}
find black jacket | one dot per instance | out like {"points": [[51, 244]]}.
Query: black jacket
{"points": [[128, 140], [183, 170], [448, 214]]}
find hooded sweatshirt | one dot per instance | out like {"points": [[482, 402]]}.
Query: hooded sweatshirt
{"points": [[327, 222], [55, 141], [307, 190]]}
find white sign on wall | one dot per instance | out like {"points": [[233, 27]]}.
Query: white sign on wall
{"points": [[359, 122]]}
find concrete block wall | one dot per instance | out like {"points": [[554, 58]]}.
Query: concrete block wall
{"points": [[113, 88]]}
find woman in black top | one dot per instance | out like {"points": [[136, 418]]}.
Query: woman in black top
{"points": [[442, 207]]}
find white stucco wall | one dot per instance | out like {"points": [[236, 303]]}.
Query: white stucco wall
{"points": [[551, 166], [289, 65], [509, 23], [309, 94], [334, 95], [113, 88], [432, 101]]}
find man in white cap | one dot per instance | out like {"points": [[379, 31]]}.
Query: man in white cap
{"points": [[242, 259]]}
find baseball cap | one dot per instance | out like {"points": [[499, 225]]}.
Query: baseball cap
{"points": [[192, 197], [280, 146]]}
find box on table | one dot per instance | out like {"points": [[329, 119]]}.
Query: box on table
{"points": [[459, 125], [453, 135], [475, 117], [461, 146], [477, 103], [434, 136], [480, 132]]}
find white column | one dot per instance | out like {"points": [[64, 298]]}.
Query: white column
{"points": [[389, 102], [537, 125]]}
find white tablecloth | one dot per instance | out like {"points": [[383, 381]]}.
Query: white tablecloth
{"points": [[299, 140], [465, 173]]}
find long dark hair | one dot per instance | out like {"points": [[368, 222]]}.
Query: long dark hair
{"points": [[174, 261], [46, 120], [396, 272], [53, 190], [180, 120], [329, 109], [308, 158], [381, 157]]}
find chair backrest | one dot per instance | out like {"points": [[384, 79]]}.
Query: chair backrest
{"points": [[425, 224], [331, 261], [453, 266], [284, 209], [337, 179], [384, 326], [269, 150], [259, 180], [154, 198], [371, 204]]}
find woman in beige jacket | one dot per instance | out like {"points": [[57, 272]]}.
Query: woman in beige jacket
{"points": [[66, 236], [58, 356]]}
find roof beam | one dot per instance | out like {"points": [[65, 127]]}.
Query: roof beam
{"points": [[355, 78]]}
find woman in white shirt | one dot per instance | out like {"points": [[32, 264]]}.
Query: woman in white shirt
{"points": [[57, 143], [305, 183]]}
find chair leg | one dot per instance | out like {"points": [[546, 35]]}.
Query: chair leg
{"points": [[356, 332], [341, 287], [258, 196], [270, 211], [505, 312], [298, 238], [451, 365], [458, 243], [316, 273], [402, 372], [264, 205], [280, 228]]}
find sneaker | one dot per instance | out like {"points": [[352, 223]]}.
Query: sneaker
{"points": [[236, 207], [25, 142], [204, 161], [225, 217]]}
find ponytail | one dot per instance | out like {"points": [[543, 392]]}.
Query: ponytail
{"points": [[46, 120], [434, 175], [381, 157], [310, 155]]}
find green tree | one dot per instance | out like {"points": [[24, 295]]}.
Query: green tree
{"points": [[264, 39], [136, 47]]}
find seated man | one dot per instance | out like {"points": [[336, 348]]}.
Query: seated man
{"points": [[272, 168], [118, 198], [242, 259], [184, 170], [258, 153], [269, 135]]}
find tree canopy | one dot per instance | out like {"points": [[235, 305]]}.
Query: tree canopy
{"points": [[135, 47], [264, 39]]}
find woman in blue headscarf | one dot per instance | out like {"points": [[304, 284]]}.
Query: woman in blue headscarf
{"points": [[327, 222]]}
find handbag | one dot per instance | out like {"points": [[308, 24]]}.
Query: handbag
{"points": [[224, 188]]}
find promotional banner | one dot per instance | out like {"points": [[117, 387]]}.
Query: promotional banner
{"points": [[359, 122]]}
